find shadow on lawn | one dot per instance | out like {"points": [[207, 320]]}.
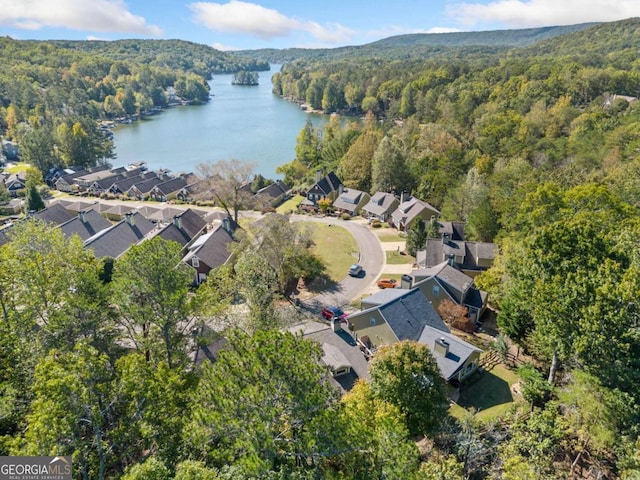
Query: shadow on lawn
{"points": [[484, 391], [322, 284]]}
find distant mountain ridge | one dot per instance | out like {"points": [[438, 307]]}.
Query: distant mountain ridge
{"points": [[423, 44]]}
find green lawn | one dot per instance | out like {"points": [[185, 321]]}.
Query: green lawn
{"points": [[290, 205], [489, 394], [395, 258], [18, 167], [336, 247], [390, 237]]}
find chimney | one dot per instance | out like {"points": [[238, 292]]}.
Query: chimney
{"points": [[445, 238], [226, 224], [128, 217], [441, 347], [82, 215], [177, 221], [318, 175], [451, 259], [340, 189]]}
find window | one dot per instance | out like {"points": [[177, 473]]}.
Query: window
{"points": [[436, 290], [372, 321], [195, 261]]}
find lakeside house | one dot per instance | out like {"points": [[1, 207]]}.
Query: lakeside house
{"points": [[410, 210], [380, 206], [350, 201]]}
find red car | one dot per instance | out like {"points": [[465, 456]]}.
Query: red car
{"points": [[387, 283], [333, 312]]}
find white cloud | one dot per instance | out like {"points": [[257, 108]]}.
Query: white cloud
{"points": [[223, 48], [95, 15], [249, 18], [536, 13]]}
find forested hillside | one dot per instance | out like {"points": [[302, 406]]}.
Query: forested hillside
{"points": [[418, 45]]}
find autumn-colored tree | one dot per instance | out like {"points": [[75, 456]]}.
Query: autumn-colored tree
{"points": [[456, 316]]}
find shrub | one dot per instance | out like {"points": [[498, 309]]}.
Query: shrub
{"points": [[376, 224], [345, 216]]}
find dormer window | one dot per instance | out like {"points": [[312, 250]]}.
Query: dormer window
{"points": [[195, 261]]}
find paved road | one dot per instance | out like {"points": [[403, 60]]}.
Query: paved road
{"points": [[372, 259]]}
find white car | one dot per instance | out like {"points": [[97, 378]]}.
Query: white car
{"points": [[355, 270]]}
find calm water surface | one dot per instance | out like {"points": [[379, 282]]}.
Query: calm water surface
{"points": [[239, 122]]}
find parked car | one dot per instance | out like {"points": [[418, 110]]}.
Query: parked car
{"points": [[333, 312], [387, 283], [355, 270]]}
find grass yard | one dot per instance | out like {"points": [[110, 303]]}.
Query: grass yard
{"points": [[336, 247], [17, 167], [290, 205], [391, 236], [489, 394], [396, 258]]}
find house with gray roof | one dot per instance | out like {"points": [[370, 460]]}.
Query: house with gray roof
{"points": [[410, 316], [116, 240], [327, 186], [350, 201], [380, 206], [410, 210], [469, 257], [121, 186], [340, 353], [445, 282], [86, 224], [54, 213], [273, 194], [183, 229], [210, 250], [169, 189], [67, 182], [143, 189]]}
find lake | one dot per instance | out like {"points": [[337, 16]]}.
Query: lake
{"points": [[247, 123]]}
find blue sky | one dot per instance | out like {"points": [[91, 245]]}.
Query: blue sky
{"points": [[251, 24]]}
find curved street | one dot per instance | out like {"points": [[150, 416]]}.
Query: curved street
{"points": [[372, 259]]}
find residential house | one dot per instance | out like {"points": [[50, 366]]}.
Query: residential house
{"points": [[55, 214], [197, 190], [117, 212], [410, 316], [325, 187], [409, 211], [116, 240], [121, 186], [67, 182], [86, 224], [469, 257], [12, 207], [84, 182], [273, 194], [380, 206], [15, 182], [340, 353], [350, 201], [185, 226], [446, 282], [142, 190], [210, 250], [169, 189]]}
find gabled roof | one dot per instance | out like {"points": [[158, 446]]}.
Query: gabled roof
{"points": [[116, 240], [170, 186], [145, 186], [458, 285], [410, 209], [274, 190], [412, 317], [455, 230], [436, 250], [327, 184], [349, 199], [211, 248], [86, 224], [190, 222], [126, 183], [380, 203], [54, 213], [170, 232], [70, 177]]}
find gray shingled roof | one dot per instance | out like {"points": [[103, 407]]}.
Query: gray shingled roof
{"points": [[86, 224], [410, 314], [54, 213], [211, 248], [380, 203], [116, 240], [459, 351]]}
